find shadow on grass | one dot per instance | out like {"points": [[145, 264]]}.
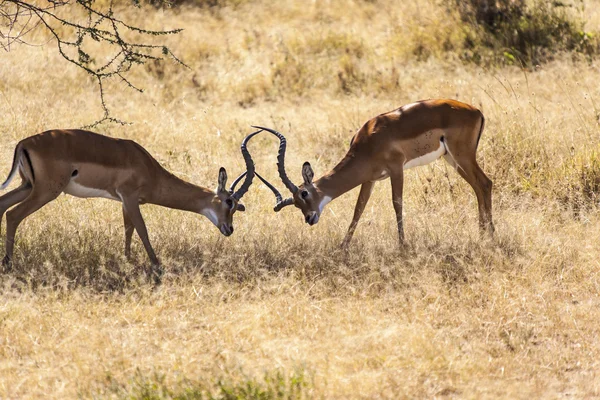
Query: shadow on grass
{"points": [[52, 262]]}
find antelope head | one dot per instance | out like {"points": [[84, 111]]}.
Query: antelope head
{"points": [[307, 197], [225, 202]]}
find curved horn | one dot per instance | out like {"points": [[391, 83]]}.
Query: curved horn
{"points": [[287, 202], [280, 202], [281, 159], [236, 181], [249, 170]]}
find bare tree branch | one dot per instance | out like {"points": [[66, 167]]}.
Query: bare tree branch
{"points": [[128, 45]]}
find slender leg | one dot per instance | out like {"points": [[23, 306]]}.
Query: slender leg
{"points": [[36, 200], [397, 187], [13, 197], [482, 186], [128, 233], [365, 193], [486, 188], [132, 208]]}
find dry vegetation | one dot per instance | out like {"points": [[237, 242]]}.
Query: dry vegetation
{"points": [[276, 310]]}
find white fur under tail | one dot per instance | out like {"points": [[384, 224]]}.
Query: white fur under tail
{"points": [[456, 165]]}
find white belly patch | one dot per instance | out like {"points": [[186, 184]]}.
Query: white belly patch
{"points": [[77, 190], [426, 158]]}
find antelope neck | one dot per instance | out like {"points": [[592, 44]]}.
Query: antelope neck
{"points": [[173, 192], [345, 176]]}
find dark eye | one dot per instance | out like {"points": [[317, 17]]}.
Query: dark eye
{"points": [[304, 194], [229, 203]]}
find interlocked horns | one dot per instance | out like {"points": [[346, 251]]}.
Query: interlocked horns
{"points": [[280, 202]]}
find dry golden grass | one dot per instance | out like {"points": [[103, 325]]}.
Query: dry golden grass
{"points": [[277, 305]]}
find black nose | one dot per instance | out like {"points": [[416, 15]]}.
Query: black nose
{"points": [[307, 218], [231, 228]]}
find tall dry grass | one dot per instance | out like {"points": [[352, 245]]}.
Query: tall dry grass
{"points": [[277, 310]]}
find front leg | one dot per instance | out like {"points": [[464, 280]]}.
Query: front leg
{"points": [[128, 232], [365, 193], [397, 188], [132, 208]]}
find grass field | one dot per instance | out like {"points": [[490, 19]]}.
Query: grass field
{"points": [[278, 310]]}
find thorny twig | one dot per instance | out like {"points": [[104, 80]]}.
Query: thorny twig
{"points": [[18, 18]]}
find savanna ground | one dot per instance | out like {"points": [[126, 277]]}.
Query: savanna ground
{"points": [[277, 310]]}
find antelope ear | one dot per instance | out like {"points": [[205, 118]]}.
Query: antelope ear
{"points": [[222, 180], [307, 173], [241, 207]]}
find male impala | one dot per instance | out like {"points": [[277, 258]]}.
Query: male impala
{"points": [[385, 146], [86, 164]]}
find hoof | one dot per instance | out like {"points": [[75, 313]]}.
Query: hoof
{"points": [[487, 230], [157, 274], [7, 263]]}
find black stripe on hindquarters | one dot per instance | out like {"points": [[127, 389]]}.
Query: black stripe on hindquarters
{"points": [[30, 164], [443, 141]]}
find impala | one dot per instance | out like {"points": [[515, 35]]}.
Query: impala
{"points": [[413, 135], [86, 164]]}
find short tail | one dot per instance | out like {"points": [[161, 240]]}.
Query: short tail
{"points": [[480, 130], [14, 169]]}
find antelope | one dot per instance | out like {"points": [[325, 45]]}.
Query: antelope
{"points": [[410, 136], [86, 164]]}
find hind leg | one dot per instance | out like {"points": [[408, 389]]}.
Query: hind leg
{"points": [[37, 199], [470, 171], [50, 180], [486, 184], [397, 179], [13, 197]]}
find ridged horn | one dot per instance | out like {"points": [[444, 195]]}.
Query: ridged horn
{"points": [[281, 159], [280, 203], [249, 173]]}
